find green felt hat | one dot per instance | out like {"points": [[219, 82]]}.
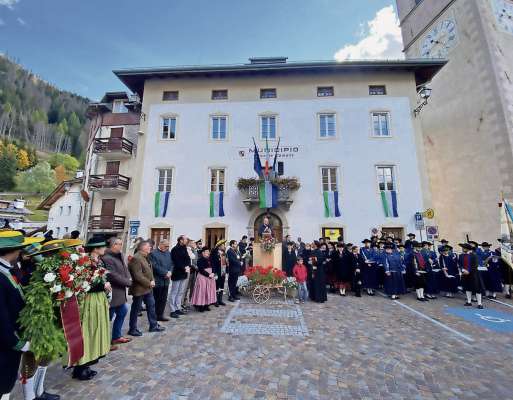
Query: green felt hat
{"points": [[95, 242], [14, 240]]}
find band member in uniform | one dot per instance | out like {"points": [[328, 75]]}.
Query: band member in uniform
{"points": [[448, 262], [218, 261], [419, 268], [470, 278], [431, 271], [357, 266], [394, 270], [318, 291], [343, 269], [369, 269], [11, 304]]}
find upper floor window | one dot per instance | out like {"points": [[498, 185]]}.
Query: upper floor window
{"points": [[219, 94], [381, 124], [329, 179], [325, 91], [61, 210], [268, 127], [118, 106], [69, 210], [386, 178], [217, 179], [268, 93], [168, 128], [377, 90], [327, 125], [165, 179], [219, 127], [170, 95]]}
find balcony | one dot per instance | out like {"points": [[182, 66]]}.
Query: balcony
{"points": [[113, 147], [109, 183], [106, 223]]}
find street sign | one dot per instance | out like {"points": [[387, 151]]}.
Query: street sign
{"points": [[134, 228], [432, 232], [419, 221], [429, 213]]}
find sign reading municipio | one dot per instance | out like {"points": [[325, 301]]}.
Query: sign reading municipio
{"points": [[284, 152]]}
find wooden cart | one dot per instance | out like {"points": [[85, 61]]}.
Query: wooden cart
{"points": [[262, 293]]}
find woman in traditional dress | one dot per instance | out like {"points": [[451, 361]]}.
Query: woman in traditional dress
{"points": [[493, 281], [394, 270], [94, 313], [343, 269], [204, 293]]}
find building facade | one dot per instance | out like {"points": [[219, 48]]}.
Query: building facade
{"points": [[64, 206], [344, 129], [110, 165], [468, 123]]}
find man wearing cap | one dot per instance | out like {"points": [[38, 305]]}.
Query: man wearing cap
{"points": [[448, 262], [11, 304], [181, 268], [408, 244]]}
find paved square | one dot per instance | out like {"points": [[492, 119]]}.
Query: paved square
{"points": [[348, 348]]}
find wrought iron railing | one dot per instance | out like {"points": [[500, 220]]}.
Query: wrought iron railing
{"points": [[109, 181], [113, 145]]}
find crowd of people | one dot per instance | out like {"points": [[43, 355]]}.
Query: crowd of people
{"points": [[192, 276]]}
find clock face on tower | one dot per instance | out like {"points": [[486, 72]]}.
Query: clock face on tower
{"points": [[440, 39], [503, 10]]}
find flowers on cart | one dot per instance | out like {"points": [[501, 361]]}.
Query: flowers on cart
{"points": [[290, 283], [242, 281], [259, 275]]}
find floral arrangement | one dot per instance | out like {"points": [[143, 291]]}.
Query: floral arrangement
{"points": [[267, 243], [56, 279], [290, 283], [291, 183], [259, 275]]}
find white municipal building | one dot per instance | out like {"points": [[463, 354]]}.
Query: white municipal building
{"points": [[345, 127]]}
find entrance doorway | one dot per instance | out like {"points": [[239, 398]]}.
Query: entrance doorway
{"points": [[275, 223], [333, 233], [158, 234], [213, 235], [397, 233]]}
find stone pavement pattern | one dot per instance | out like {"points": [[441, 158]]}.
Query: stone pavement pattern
{"points": [[347, 348]]}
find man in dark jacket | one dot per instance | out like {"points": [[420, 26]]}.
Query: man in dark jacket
{"points": [[120, 279], [218, 261], [162, 265], [234, 269], [181, 268], [289, 259]]}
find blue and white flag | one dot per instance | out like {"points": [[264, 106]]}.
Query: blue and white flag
{"points": [[331, 204], [216, 204]]}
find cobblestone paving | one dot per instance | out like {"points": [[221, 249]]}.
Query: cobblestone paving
{"points": [[356, 348]]}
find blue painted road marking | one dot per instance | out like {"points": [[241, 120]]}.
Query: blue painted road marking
{"points": [[494, 320]]}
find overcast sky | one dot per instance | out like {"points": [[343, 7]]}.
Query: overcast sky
{"points": [[75, 44]]}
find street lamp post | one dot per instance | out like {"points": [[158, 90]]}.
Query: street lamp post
{"points": [[424, 93]]}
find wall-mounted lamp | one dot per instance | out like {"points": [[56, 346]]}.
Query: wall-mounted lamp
{"points": [[424, 92]]}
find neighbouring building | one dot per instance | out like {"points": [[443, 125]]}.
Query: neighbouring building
{"points": [[345, 131], [13, 213], [110, 164], [65, 207], [468, 123]]}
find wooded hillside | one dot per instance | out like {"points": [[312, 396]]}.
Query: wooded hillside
{"points": [[36, 113]]}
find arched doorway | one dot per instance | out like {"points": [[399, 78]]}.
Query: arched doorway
{"points": [[276, 223]]}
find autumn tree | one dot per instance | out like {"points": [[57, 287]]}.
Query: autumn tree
{"points": [[60, 173]]}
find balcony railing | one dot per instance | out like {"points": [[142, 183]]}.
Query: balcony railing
{"points": [[106, 222], [250, 196], [113, 145], [109, 182]]}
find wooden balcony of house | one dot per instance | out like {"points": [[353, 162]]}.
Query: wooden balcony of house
{"points": [[109, 183], [250, 196], [106, 223], [113, 147]]}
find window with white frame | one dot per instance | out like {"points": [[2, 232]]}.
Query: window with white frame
{"points": [[217, 179], [381, 123], [58, 230], [325, 91], [165, 179], [169, 95], [219, 126], [269, 93], [61, 210], [268, 127], [168, 128], [386, 177], [69, 210], [66, 229], [327, 125], [118, 107], [329, 179], [220, 94]]}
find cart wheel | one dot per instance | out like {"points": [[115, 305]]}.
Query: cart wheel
{"points": [[261, 294]]}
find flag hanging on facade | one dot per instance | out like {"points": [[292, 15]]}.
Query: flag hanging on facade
{"points": [[268, 194], [389, 201], [331, 204], [257, 164], [161, 201], [216, 204]]}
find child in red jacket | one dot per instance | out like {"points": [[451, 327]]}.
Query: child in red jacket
{"points": [[300, 273]]}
